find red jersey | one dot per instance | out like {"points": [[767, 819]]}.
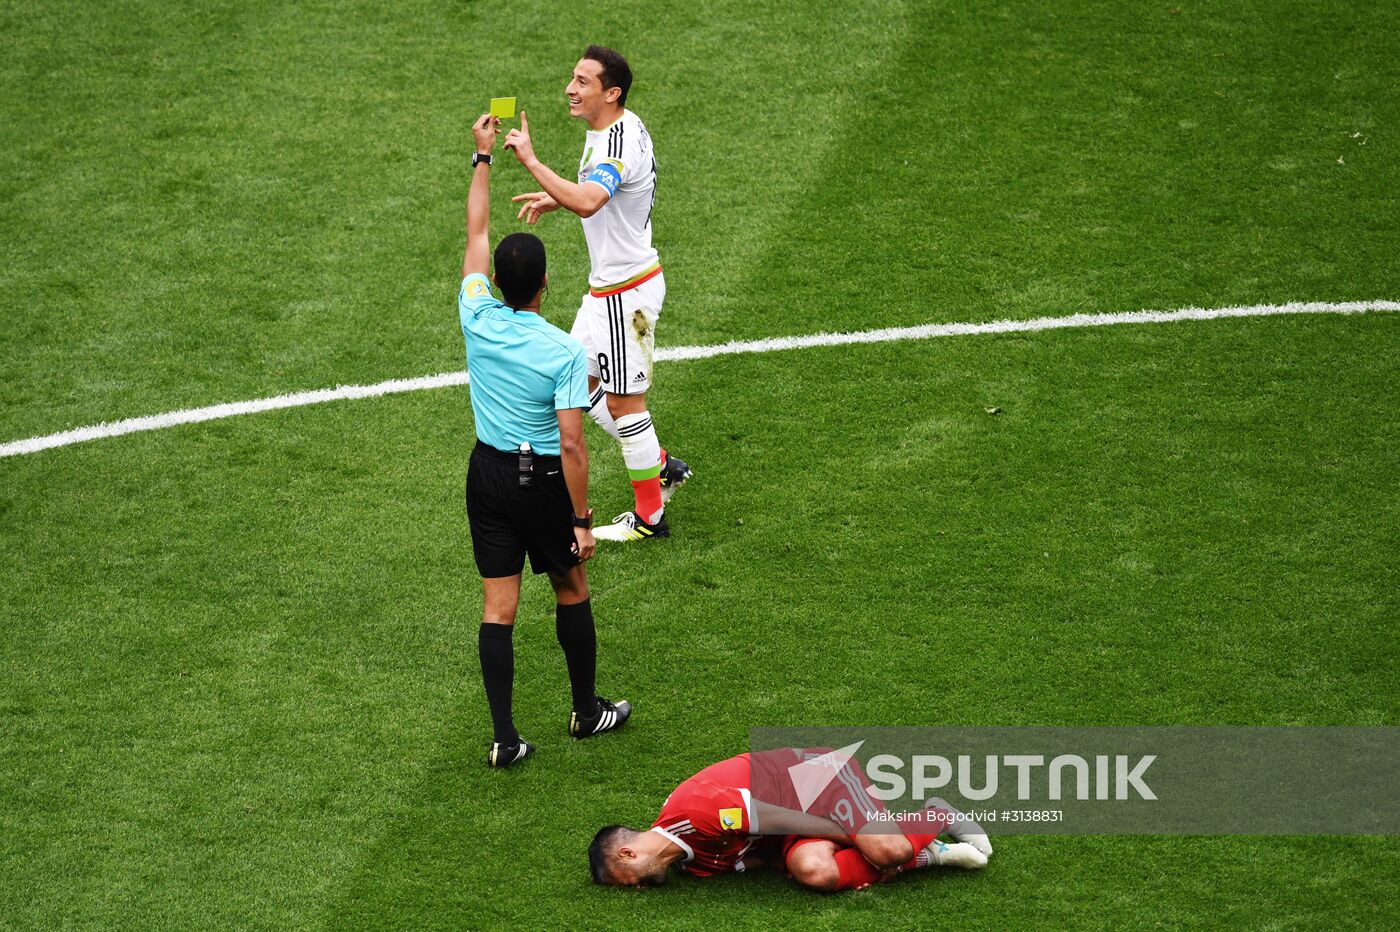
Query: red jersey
{"points": [[710, 816]]}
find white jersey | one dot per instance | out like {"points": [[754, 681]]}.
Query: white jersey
{"points": [[620, 159]]}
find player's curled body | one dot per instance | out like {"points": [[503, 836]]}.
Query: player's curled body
{"points": [[746, 812]]}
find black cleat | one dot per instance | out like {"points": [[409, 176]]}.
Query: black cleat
{"points": [[608, 717], [503, 755], [673, 475], [630, 526]]}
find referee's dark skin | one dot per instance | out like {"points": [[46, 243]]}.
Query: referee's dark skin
{"points": [[522, 371]]}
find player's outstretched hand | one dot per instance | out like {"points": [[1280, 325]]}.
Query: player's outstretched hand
{"points": [[484, 131], [584, 544], [518, 141], [536, 203]]}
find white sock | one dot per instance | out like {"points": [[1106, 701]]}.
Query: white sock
{"points": [[598, 410]]}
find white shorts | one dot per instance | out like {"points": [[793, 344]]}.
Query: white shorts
{"points": [[619, 335]]}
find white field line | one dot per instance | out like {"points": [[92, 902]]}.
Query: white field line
{"points": [[678, 353]]}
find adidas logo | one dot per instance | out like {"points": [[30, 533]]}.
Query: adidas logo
{"points": [[639, 377]]}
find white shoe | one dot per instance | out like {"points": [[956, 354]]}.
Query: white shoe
{"points": [[960, 854], [630, 526], [962, 828]]}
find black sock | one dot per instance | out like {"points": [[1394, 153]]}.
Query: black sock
{"points": [[498, 673], [574, 626]]}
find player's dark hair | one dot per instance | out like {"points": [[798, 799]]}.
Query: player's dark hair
{"points": [[616, 71], [601, 850], [519, 267]]}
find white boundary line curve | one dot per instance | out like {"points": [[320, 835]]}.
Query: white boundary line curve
{"points": [[681, 353]]}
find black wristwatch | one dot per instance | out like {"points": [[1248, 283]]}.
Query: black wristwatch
{"points": [[480, 158], [585, 521]]}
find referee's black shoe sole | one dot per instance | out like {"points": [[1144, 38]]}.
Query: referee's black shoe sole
{"points": [[609, 717]]}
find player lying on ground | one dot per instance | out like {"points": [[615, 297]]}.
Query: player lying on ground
{"points": [[745, 812], [616, 322]]}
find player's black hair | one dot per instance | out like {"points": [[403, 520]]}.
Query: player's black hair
{"points": [[616, 71], [519, 267], [601, 850]]}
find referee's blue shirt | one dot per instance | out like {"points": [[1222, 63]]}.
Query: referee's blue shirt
{"points": [[521, 368]]}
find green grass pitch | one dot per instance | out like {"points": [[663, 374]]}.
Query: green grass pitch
{"points": [[238, 680]]}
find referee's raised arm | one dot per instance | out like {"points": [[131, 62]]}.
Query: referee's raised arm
{"points": [[478, 256]]}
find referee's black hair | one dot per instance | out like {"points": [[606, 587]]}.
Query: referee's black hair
{"points": [[601, 850], [519, 268], [616, 71]]}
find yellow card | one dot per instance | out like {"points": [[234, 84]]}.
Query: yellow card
{"points": [[503, 107]]}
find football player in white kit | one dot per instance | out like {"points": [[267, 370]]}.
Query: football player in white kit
{"points": [[616, 323]]}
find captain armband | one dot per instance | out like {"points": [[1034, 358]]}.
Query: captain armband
{"points": [[608, 174]]}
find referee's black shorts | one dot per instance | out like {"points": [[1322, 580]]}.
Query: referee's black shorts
{"points": [[509, 520]]}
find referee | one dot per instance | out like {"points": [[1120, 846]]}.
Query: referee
{"points": [[527, 484]]}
